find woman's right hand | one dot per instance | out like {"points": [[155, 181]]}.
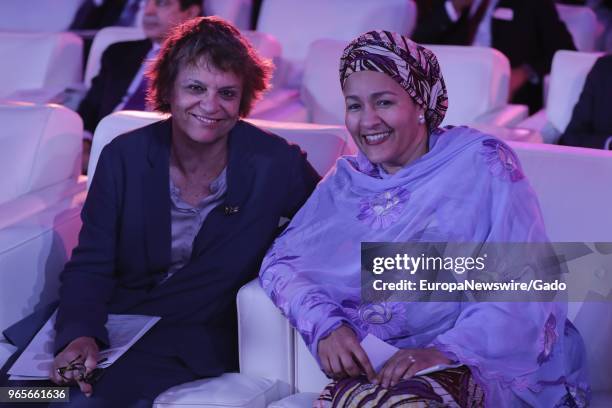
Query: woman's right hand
{"points": [[341, 355], [81, 349]]}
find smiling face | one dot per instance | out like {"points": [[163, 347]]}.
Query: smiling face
{"points": [[160, 16], [205, 104], [383, 120]]}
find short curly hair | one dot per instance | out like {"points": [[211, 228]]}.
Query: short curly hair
{"points": [[220, 43]]}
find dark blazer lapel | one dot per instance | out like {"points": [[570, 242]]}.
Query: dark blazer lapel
{"points": [[156, 189], [127, 69], [240, 175]]}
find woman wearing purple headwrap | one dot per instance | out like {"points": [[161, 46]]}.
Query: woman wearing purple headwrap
{"points": [[412, 181]]}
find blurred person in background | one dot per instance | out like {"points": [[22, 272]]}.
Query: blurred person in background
{"points": [[121, 83], [603, 11], [97, 14], [527, 32], [591, 122]]}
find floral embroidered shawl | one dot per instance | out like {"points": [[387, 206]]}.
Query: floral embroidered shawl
{"points": [[469, 187]]}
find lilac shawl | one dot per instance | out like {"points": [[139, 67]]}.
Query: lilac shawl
{"points": [[468, 188]]}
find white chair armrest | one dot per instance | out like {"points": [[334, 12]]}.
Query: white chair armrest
{"points": [[39, 96], [300, 400], [508, 115], [33, 252], [70, 96], [28, 205], [540, 123], [229, 390], [265, 337], [537, 121], [510, 134]]}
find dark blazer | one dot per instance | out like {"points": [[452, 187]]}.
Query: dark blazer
{"points": [[591, 122], [532, 37], [120, 64], [124, 244], [92, 17]]}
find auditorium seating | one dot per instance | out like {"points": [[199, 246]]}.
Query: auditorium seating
{"points": [[238, 12], [40, 200], [476, 78], [41, 197], [568, 73], [38, 66], [46, 16], [37, 15], [322, 143], [296, 24], [581, 22], [477, 81], [111, 127], [267, 46], [569, 184]]}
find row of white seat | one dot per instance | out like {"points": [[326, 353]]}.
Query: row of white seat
{"points": [[46, 16], [41, 195], [276, 368], [41, 190], [566, 80], [49, 16], [477, 80], [39, 223], [305, 40]]}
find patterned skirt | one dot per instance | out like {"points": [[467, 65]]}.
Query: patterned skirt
{"points": [[453, 387]]}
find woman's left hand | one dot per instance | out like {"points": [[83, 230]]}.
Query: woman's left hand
{"points": [[406, 362]]}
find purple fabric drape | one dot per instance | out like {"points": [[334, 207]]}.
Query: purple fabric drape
{"points": [[469, 187]]}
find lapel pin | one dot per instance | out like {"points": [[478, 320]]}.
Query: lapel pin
{"points": [[230, 210]]}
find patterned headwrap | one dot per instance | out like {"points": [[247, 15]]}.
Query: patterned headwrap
{"points": [[414, 67]]}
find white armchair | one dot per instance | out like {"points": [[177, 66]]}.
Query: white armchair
{"points": [[569, 183], [37, 15], [238, 12], [298, 23], [477, 82], [581, 22], [322, 143], [36, 67], [41, 196], [567, 76]]}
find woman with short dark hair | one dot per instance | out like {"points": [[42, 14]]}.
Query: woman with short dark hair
{"points": [[178, 217], [220, 44]]}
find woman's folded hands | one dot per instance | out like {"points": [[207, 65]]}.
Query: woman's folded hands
{"points": [[407, 362], [341, 356]]}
